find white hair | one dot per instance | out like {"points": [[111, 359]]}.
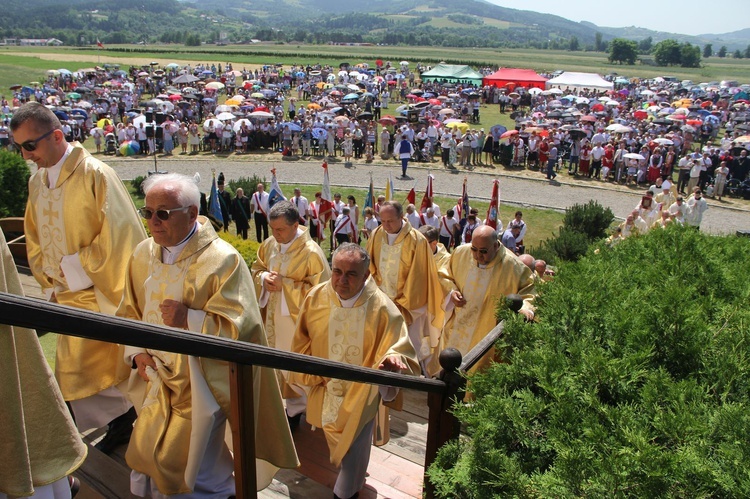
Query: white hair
{"points": [[187, 190]]}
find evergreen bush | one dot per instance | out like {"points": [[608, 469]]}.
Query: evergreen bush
{"points": [[591, 219], [248, 184], [14, 184], [137, 183], [634, 382]]}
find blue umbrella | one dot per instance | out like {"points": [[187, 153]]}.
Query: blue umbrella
{"points": [[300, 74], [319, 133], [64, 71], [268, 93], [428, 95], [120, 73], [61, 115], [80, 112], [497, 131], [351, 97], [207, 72], [27, 90], [208, 99], [294, 127]]}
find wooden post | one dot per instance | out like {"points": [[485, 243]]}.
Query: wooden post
{"points": [[442, 425], [242, 421]]}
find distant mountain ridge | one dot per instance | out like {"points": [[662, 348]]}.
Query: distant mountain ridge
{"points": [[467, 23]]}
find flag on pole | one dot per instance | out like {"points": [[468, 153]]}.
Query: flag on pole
{"points": [[99, 44], [464, 202], [494, 204], [370, 201], [411, 198], [389, 190], [214, 204], [428, 194], [275, 195], [326, 200]]}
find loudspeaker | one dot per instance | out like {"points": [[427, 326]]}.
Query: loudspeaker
{"points": [[149, 116], [160, 118], [159, 133], [150, 131]]}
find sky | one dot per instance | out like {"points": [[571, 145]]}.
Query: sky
{"points": [[688, 17]]}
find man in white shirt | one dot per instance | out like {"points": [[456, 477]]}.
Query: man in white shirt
{"points": [[259, 206], [344, 230], [303, 206], [414, 218], [597, 153], [447, 229], [430, 218]]}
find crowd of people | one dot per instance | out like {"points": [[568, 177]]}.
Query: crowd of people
{"points": [[391, 305]]}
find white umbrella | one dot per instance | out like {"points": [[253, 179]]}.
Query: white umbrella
{"points": [[141, 118], [582, 100], [238, 124], [223, 108], [404, 63], [664, 141], [555, 91], [612, 103], [647, 92], [225, 116], [209, 125], [446, 111], [215, 85], [634, 155], [261, 114], [535, 91]]}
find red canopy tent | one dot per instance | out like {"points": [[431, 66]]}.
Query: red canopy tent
{"points": [[526, 78]]}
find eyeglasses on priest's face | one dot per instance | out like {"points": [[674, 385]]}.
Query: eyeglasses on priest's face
{"points": [[30, 145], [147, 213]]}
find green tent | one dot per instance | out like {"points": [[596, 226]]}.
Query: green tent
{"points": [[452, 73]]}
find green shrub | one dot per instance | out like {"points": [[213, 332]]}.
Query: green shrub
{"points": [[247, 248], [591, 219], [634, 382], [568, 246], [248, 184], [14, 184], [136, 183]]}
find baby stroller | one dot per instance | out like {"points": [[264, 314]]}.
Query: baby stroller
{"points": [[110, 144]]}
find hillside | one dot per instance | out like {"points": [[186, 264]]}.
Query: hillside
{"points": [[470, 23]]}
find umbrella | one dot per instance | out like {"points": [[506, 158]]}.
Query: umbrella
{"points": [[215, 85], [497, 131], [224, 108], [514, 95], [577, 133], [387, 120], [261, 114], [314, 105], [447, 110], [294, 127], [103, 122], [694, 122], [61, 115], [421, 105], [175, 97], [633, 155], [663, 141], [238, 124], [364, 116], [588, 118], [319, 133], [350, 97], [130, 148], [225, 116], [509, 134], [74, 95], [79, 112]]}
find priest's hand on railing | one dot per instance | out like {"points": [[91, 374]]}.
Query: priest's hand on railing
{"points": [[393, 363], [174, 314], [141, 361]]}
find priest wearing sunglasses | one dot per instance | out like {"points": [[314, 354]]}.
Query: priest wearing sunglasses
{"points": [[186, 277], [81, 226]]}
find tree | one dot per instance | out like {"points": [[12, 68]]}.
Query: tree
{"points": [[574, 45], [737, 54], [708, 51], [623, 51], [722, 51], [599, 44], [667, 53], [747, 52], [14, 188], [645, 45], [690, 56]]}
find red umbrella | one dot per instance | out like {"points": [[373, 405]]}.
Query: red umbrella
{"points": [[590, 118], [597, 107], [388, 120], [694, 122], [706, 104], [435, 102], [640, 115], [175, 97], [411, 96], [509, 133]]}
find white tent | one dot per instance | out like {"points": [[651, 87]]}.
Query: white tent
{"points": [[570, 79]]}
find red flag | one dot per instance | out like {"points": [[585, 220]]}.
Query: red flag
{"points": [[99, 44], [411, 198], [428, 194], [494, 203], [326, 200]]}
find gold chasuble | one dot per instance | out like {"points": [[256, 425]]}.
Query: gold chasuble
{"points": [[88, 212], [405, 271], [302, 266], [362, 335], [208, 275], [40, 444], [481, 288]]}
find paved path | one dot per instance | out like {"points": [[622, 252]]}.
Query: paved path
{"points": [[524, 188]]}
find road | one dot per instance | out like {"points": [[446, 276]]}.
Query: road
{"points": [[524, 188]]}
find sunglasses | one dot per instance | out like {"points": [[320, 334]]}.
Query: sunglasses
{"points": [[146, 214], [30, 145]]}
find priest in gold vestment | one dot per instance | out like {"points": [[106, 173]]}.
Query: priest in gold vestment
{"points": [[478, 274], [81, 227], [402, 266], [348, 319], [40, 444], [186, 277], [288, 265], [439, 253]]}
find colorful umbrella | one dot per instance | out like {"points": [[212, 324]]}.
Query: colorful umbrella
{"points": [[130, 148]]}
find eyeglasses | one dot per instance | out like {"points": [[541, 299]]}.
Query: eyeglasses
{"points": [[30, 145], [146, 214]]}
